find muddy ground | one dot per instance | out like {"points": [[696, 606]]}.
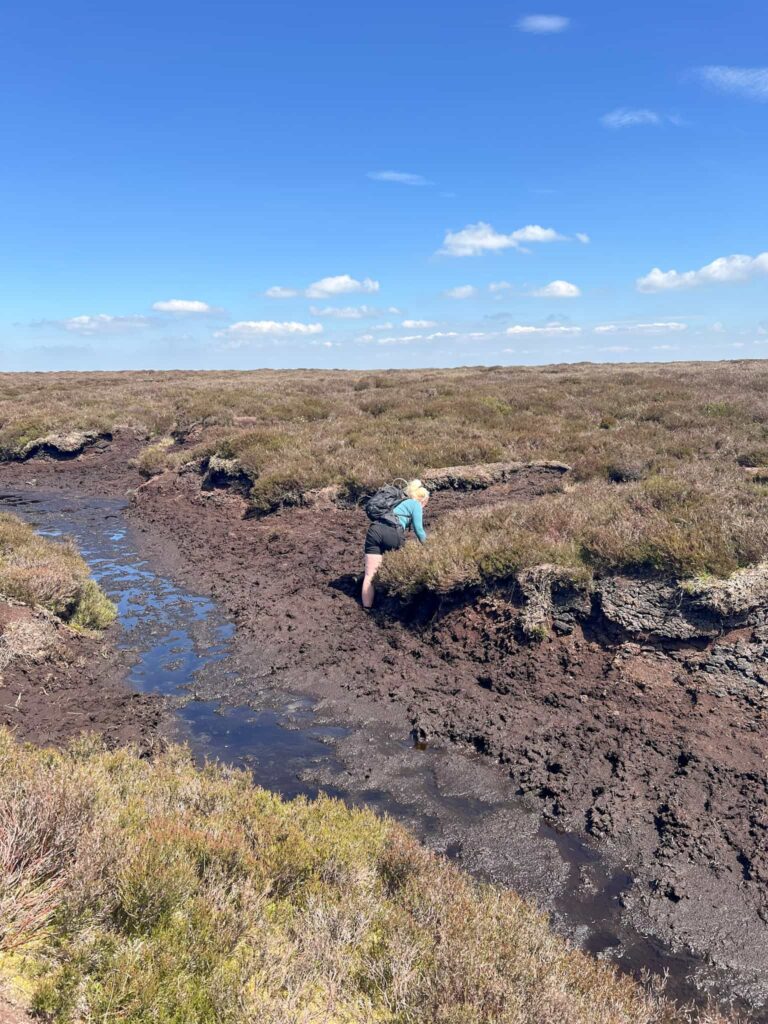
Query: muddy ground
{"points": [[56, 683], [629, 743]]}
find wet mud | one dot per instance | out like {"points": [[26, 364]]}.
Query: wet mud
{"points": [[606, 779]]}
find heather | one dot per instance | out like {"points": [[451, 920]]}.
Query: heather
{"points": [[138, 890], [665, 458], [39, 571]]}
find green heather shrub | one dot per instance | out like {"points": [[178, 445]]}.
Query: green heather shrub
{"points": [[697, 519], [135, 891], [40, 571]]}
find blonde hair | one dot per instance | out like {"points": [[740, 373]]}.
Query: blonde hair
{"points": [[416, 490]]}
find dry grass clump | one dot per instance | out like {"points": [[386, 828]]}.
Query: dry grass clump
{"points": [[699, 519], [40, 571], [136, 891]]}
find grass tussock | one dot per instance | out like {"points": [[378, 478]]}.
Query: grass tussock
{"points": [[135, 891], [40, 571]]}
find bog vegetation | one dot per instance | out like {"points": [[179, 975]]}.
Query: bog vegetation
{"points": [[39, 571], [135, 890], [661, 454]]}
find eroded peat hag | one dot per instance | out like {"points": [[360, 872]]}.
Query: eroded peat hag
{"points": [[462, 806], [643, 748]]}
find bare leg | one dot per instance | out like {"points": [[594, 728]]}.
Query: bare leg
{"points": [[372, 564]]}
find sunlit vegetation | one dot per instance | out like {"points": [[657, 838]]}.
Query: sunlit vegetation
{"points": [[666, 458], [39, 571], [135, 891]]}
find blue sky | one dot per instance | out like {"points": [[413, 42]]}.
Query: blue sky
{"points": [[293, 184]]}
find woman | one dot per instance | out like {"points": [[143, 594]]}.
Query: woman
{"points": [[383, 537]]}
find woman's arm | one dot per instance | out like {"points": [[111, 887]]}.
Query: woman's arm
{"points": [[417, 521]]}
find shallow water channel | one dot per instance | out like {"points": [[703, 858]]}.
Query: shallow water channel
{"points": [[456, 802]]}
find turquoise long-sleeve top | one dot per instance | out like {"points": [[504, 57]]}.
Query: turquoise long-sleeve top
{"points": [[409, 514]]}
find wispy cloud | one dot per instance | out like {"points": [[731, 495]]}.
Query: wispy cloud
{"points": [[625, 117], [182, 306], [416, 324], [103, 323], [399, 177], [477, 238], [553, 328], [751, 83], [543, 24], [724, 270], [245, 331], [278, 292], [583, 237], [558, 290], [671, 326], [461, 291], [345, 312]]}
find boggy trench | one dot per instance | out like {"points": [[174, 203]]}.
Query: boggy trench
{"points": [[609, 781]]}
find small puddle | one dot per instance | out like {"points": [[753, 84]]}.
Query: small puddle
{"points": [[458, 803]]}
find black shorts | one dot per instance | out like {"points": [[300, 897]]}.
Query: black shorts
{"points": [[382, 537]]}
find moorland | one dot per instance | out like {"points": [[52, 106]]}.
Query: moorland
{"points": [[589, 612]]}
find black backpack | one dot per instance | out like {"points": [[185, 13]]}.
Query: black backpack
{"points": [[379, 507]]}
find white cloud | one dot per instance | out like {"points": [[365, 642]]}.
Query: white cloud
{"points": [[399, 177], [278, 292], [418, 323], [624, 117], [558, 290], [342, 284], [442, 334], [554, 328], [182, 306], [656, 328], [724, 270], [665, 348], [345, 312], [583, 237], [543, 24], [103, 323], [481, 237], [615, 348], [382, 327], [245, 330], [499, 286], [365, 337], [749, 82], [461, 291], [718, 327]]}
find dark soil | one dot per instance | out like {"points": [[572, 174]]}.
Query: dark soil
{"points": [[625, 742], [66, 683]]}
